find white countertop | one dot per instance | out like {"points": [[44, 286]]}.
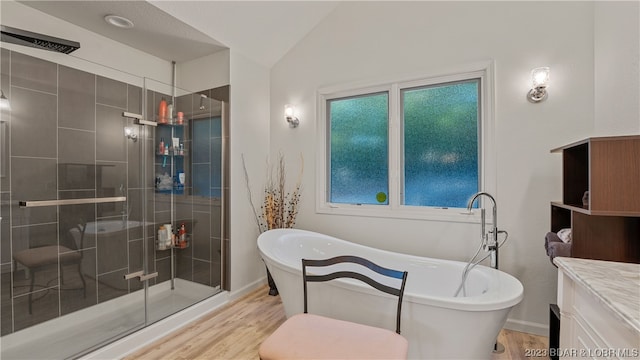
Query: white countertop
{"points": [[615, 285]]}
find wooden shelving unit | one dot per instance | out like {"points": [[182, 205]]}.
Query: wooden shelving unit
{"points": [[608, 226]]}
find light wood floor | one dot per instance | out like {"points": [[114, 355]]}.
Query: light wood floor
{"points": [[236, 331]]}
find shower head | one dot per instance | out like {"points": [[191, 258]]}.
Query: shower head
{"points": [[38, 41], [202, 97]]}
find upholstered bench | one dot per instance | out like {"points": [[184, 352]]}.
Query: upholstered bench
{"points": [[309, 336]]}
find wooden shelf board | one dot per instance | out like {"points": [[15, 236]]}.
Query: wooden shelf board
{"points": [[559, 149], [586, 211], [576, 208], [594, 139]]}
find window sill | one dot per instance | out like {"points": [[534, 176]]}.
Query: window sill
{"points": [[404, 212]]}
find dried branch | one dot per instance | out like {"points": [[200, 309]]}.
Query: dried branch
{"points": [[246, 181], [282, 175], [279, 209], [295, 198]]}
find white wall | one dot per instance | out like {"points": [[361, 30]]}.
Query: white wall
{"points": [[617, 68], [364, 41], [249, 131], [97, 54], [203, 73]]}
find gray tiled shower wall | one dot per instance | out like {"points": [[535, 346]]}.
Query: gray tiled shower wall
{"points": [[64, 139], [199, 210]]}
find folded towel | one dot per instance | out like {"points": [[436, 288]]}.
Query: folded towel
{"points": [[558, 249], [565, 235], [551, 237]]}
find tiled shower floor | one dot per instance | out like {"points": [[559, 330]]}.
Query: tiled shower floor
{"points": [[72, 334]]}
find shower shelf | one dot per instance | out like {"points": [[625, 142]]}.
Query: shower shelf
{"points": [[178, 247], [174, 247], [172, 123], [170, 154], [176, 191], [187, 243]]}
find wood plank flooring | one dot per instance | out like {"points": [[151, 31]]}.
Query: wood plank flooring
{"points": [[236, 331]]}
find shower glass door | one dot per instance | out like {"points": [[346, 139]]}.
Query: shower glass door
{"points": [[86, 187], [72, 191], [186, 150]]}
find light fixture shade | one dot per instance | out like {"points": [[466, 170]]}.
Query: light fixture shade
{"points": [[289, 110], [290, 115], [540, 77], [4, 102]]}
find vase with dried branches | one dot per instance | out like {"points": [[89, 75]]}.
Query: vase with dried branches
{"points": [[279, 208]]}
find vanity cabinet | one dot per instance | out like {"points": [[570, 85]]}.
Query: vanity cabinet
{"points": [[606, 223], [598, 303]]}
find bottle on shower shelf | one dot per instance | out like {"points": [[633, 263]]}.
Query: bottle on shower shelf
{"points": [[160, 241], [161, 146], [182, 237], [170, 113], [162, 112]]}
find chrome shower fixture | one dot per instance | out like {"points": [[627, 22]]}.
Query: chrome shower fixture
{"points": [[38, 41], [130, 133], [202, 97]]}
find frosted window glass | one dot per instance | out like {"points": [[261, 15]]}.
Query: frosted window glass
{"points": [[359, 149], [441, 149]]}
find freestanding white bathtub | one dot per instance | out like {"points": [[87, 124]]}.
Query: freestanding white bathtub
{"points": [[437, 324]]}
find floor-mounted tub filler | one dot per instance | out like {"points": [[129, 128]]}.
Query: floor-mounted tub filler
{"points": [[437, 324]]}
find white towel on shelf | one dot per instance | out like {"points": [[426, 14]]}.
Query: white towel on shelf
{"points": [[565, 235]]}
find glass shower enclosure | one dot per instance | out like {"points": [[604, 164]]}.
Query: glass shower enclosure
{"points": [[111, 205]]}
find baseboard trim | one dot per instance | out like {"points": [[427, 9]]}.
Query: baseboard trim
{"points": [[237, 294], [527, 327]]}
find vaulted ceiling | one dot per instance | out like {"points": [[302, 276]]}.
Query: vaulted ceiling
{"points": [[183, 30]]}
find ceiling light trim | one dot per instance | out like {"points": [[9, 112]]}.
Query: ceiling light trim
{"points": [[119, 21]]}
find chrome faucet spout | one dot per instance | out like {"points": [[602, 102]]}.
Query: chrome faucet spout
{"points": [[477, 195], [492, 243]]}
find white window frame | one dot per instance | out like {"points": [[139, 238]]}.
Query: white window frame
{"points": [[487, 156]]}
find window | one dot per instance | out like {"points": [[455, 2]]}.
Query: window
{"points": [[440, 143], [359, 143], [405, 149]]}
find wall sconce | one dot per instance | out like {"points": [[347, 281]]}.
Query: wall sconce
{"points": [[4, 102], [289, 115], [539, 82], [202, 97], [130, 133]]}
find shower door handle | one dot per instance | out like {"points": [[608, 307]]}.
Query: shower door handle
{"points": [[148, 276], [38, 203], [138, 120], [140, 275], [133, 274]]}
